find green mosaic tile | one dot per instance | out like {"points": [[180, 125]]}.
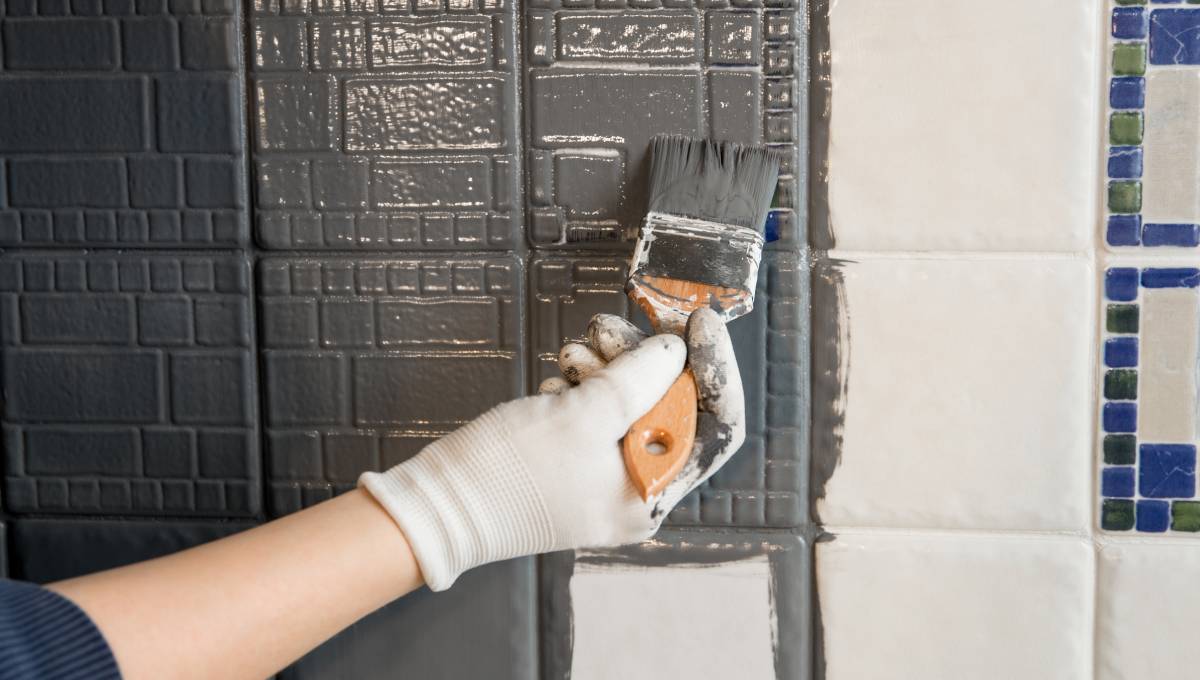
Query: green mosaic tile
{"points": [[1120, 449], [1120, 384], [1185, 516], [1138, 2], [1129, 59], [1116, 515], [1125, 129], [1122, 319], [1124, 197]]}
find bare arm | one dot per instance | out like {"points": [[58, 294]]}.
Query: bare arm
{"points": [[242, 607]]}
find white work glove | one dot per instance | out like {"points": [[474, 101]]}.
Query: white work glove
{"points": [[545, 472]]}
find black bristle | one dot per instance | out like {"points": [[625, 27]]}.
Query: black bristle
{"points": [[720, 182]]}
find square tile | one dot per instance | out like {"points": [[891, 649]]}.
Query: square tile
{"points": [[764, 484], [483, 627], [750, 589], [605, 76], [351, 348], [985, 378], [1146, 600], [962, 130], [1150, 348], [345, 112], [113, 375], [901, 605]]}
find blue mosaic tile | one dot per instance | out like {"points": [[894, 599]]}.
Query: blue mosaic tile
{"points": [[1121, 284], [1153, 516], [1167, 471], [1187, 235], [1121, 352], [1127, 93], [1125, 162], [1174, 35], [1177, 277], [1120, 416], [1129, 23], [1124, 230], [1117, 482]]}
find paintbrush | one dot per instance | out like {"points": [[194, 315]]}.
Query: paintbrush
{"points": [[700, 246]]}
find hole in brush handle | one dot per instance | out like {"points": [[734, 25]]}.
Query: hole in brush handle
{"points": [[671, 423]]}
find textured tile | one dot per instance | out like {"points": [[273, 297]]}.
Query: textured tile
{"points": [[955, 606], [483, 627], [601, 83], [389, 131], [764, 484], [46, 550], [125, 126], [1146, 600], [1148, 402], [942, 385], [353, 349], [743, 594], [129, 385], [961, 129]]}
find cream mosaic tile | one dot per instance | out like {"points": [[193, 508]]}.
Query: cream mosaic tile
{"points": [[920, 607], [963, 126], [957, 395]]}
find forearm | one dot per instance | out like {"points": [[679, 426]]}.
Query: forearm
{"points": [[248, 605]]}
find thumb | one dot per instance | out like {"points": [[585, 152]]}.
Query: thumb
{"points": [[630, 385]]}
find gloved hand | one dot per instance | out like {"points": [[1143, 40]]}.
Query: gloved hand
{"points": [[545, 472]]}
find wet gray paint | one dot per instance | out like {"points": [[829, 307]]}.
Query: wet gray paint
{"points": [[820, 105], [831, 365]]}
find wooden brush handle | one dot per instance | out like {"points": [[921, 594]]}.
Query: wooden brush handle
{"points": [[671, 424]]}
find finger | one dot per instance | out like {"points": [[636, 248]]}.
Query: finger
{"points": [[610, 335], [553, 385], [578, 361], [710, 354], [629, 385]]}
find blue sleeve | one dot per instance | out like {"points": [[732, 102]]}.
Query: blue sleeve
{"points": [[44, 635]]}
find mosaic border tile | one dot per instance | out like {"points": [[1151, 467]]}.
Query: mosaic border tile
{"points": [[1145, 485], [1144, 39]]}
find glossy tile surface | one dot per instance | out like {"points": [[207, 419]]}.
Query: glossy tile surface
{"points": [[902, 605], [121, 129], [725, 604], [1146, 598], [950, 383], [130, 385], [935, 142], [1149, 357], [385, 128]]}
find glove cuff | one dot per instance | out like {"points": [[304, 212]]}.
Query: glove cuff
{"points": [[464, 500]]}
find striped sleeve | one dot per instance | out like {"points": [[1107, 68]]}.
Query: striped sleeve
{"points": [[45, 635]]}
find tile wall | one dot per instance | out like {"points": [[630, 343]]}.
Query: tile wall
{"points": [[1005, 338]]}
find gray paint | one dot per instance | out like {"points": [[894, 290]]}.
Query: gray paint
{"points": [[831, 363], [405, 260], [819, 112]]}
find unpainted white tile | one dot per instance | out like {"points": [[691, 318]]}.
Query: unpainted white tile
{"points": [[711, 621], [1171, 163], [1147, 608], [964, 125], [920, 607], [1170, 335], [965, 396]]}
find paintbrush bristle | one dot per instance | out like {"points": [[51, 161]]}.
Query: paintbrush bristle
{"points": [[720, 182]]}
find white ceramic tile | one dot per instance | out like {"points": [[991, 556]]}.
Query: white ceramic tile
{"points": [[965, 394], [954, 607], [1170, 321], [1147, 608], [1171, 170], [964, 125], [711, 621]]}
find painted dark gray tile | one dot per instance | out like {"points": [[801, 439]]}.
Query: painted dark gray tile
{"points": [[125, 125], [483, 627], [601, 83], [790, 562], [385, 127], [130, 385], [764, 484], [46, 550], [366, 360]]}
